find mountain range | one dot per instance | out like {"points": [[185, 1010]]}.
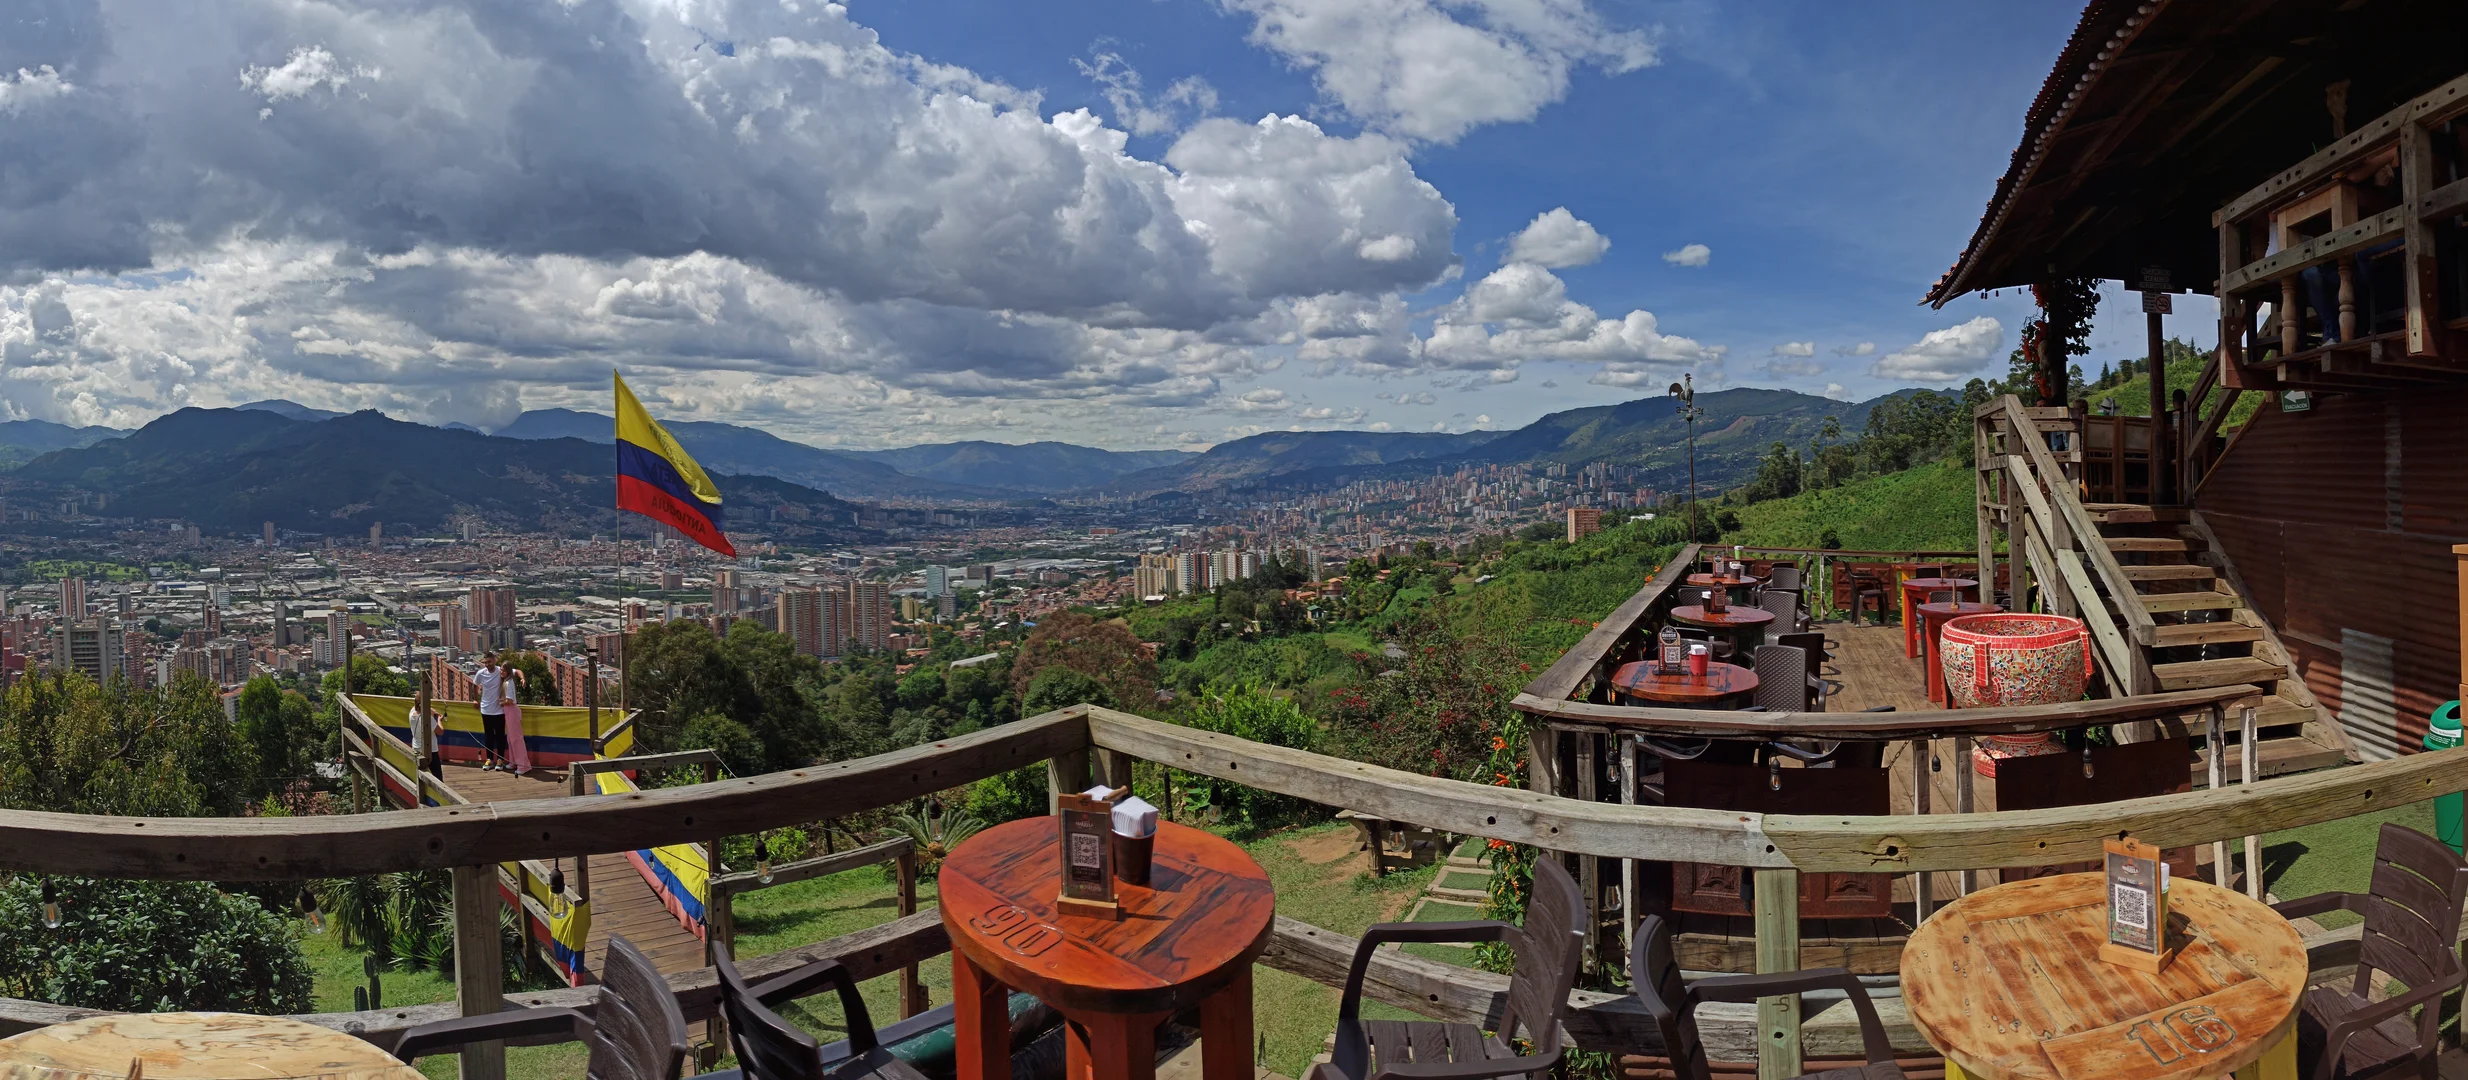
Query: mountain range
{"points": [[311, 468], [230, 470]]}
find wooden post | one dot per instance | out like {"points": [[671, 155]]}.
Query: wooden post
{"points": [[1589, 867], [591, 696], [1981, 498], [479, 965], [578, 782], [2160, 469], [2245, 762], [1116, 765], [2422, 279], [1065, 774], [1963, 796], [912, 990], [1628, 867], [347, 690], [2291, 323], [1922, 785], [2219, 746], [1778, 949]]}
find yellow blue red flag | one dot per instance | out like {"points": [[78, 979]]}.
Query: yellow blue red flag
{"points": [[655, 477]]}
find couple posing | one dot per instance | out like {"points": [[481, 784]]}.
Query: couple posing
{"points": [[501, 717]]}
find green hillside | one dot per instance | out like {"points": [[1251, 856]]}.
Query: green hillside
{"points": [[2132, 391], [1923, 508]]}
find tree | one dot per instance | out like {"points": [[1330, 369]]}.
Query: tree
{"points": [[150, 946], [1778, 475], [1107, 652], [1060, 688], [70, 746], [539, 686], [280, 728]]}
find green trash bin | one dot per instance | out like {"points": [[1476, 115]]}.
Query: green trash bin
{"points": [[2442, 733]]}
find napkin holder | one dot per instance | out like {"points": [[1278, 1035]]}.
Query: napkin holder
{"points": [[2137, 906]]}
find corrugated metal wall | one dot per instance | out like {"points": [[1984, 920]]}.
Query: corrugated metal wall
{"points": [[2341, 520]]}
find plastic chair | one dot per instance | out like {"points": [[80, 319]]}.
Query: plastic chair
{"points": [[1672, 1004], [2412, 913]]}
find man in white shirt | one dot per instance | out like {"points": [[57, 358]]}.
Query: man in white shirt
{"points": [[492, 681]]}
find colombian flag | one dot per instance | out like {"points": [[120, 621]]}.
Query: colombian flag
{"points": [[656, 479]]}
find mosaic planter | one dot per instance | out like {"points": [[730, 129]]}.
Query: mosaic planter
{"points": [[2007, 659]]}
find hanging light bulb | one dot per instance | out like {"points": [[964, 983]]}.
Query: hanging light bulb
{"points": [[51, 906], [557, 880], [308, 908], [934, 809], [762, 861]]}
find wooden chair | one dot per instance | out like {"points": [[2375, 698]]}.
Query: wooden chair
{"points": [[1548, 948], [1672, 1003], [770, 1048], [1868, 586], [635, 1032], [2412, 912]]}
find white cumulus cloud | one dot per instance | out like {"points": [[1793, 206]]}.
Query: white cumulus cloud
{"points": [[1690, 255], [1796, 348], [310, 68], [1433, 70], [1943, 356], [1558, 239]]}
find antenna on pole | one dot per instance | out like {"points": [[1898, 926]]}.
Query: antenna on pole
{"points": [[1686, 391]]}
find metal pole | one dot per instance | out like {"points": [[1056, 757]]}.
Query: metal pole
{"points": [[591, 691]]}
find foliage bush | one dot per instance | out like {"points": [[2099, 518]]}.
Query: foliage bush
{"points": [[1247, 712], [150, 946]]}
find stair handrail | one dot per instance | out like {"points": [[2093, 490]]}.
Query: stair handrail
{"points": [[2074, 530]]}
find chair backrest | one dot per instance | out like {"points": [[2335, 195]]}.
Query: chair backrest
{"points": [[637, 1030], [1785, 606], [1928, 571], [767, 1047], [1786, 576], [1943, 596], [2412, 922], [1654, 969], [1549, 948], [1782, 678]]}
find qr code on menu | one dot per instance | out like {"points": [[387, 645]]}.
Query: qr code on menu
{"points": [[2132, 907], [1084, 849]]}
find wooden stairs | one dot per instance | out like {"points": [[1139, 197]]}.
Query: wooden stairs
{"points": [[2204, 634]]}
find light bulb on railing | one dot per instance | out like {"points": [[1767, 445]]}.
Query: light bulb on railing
{"points": [[51, 906], [308, 908], [762, 861]]}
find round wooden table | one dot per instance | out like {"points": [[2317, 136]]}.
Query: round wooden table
{"points": [[195, 1046], [1921, 587], [1933, 618], [2007, 984], [1744, 625], [1187, 939], [1720, 683], [1736, 588]]}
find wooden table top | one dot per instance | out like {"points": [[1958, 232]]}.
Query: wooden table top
{"points": [[1941, 609], [1939, 583], [1735, 616], [1719, 682], [1203, 918], [1708, 581], [2007, 982], [195, 1046]]}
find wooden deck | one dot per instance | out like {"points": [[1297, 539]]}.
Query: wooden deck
{"points": [[621, 901]]}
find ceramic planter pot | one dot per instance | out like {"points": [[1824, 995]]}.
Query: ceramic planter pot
{"points": [[2005, 659]]}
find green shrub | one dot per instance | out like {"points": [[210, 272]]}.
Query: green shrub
{"points": [[150, 946], [1246, 712]]}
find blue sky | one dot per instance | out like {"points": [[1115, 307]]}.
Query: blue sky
{"points": [[1130, 223]]}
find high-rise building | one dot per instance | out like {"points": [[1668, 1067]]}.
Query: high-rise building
{"points": [[937, 580], [1154, 576], [982, 572], [490, 607], [1247, 565], [909, 609], [282, 624], [1583, 521], [869, 614], [724, 594], [92, 646], [947, 605], [802, 619], [72, 598], [269, 534], [1190, 572], [377, 534], [671, 581]]}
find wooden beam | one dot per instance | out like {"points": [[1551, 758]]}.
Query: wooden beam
{"points": [[790, 873], [479, 965], [1778, 949], [2322, 249], [2345, 153], [354, 845], [1901, 845]]}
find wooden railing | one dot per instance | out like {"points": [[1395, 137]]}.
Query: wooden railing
{"points": [[900, 852], [470, 840], [2038, 507]]}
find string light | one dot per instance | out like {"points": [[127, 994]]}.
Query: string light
{"points": [[762, 861], [51, 906], [308, 907]]}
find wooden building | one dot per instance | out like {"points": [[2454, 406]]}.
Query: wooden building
{"points": [[2306, 163]]}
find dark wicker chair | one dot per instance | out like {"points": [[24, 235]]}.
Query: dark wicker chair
{"points": [[1786, 609], [1786, 576], [635, 1032], [1672, 1003], [1548, 948], [2412, 912], [770, 1048], [1782, 679]]}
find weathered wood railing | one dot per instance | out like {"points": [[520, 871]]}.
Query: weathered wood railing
{"points": [[900, 852], [469, 839]]}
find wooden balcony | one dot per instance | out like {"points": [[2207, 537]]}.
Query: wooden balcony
{"points": [[2358, 250]]}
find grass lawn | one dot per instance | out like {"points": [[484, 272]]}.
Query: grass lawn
{"points": [[1350, 640]]}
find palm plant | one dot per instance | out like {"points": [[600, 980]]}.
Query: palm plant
{"points": [[936, 832]]}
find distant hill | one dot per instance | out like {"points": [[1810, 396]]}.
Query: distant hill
{"points": [[291, 409], [1738, 425], [754, 452], [232, 469], [1037, 466], [24, 440]]}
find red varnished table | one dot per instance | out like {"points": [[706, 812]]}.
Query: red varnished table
{"points": [[1187, 939], [1744, 625], [1720, 684], [1921, 587]]}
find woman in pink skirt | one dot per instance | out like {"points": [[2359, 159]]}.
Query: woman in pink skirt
{"points": [[516, 749]]}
